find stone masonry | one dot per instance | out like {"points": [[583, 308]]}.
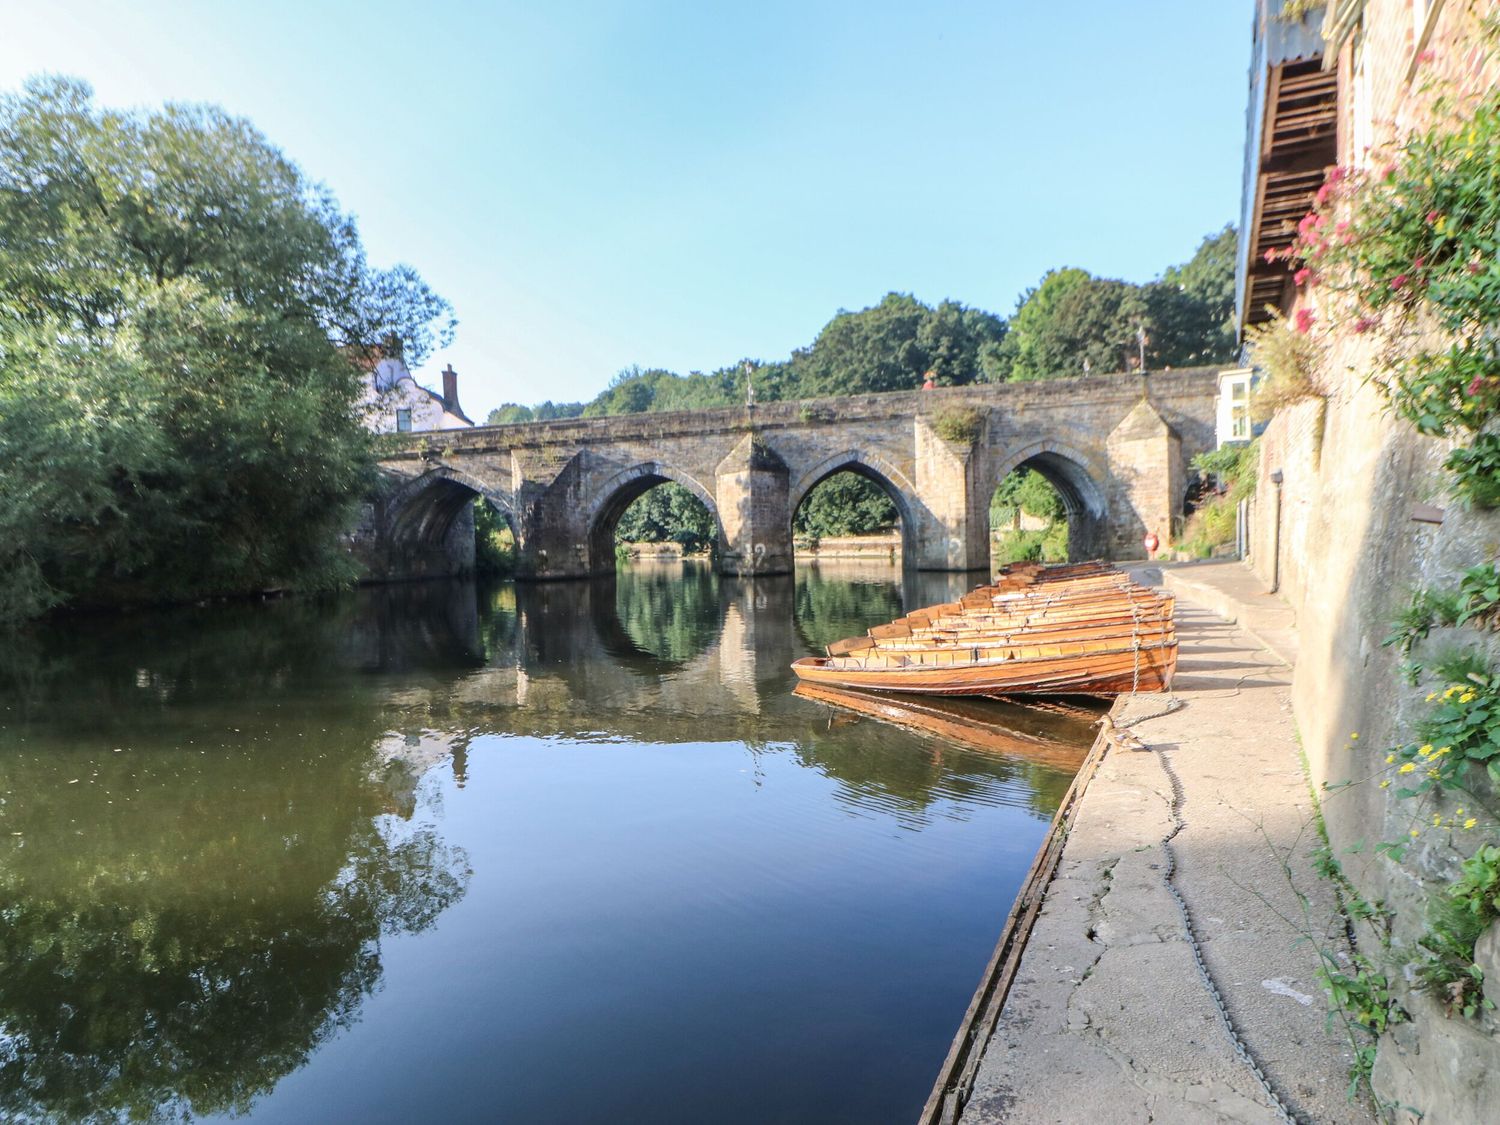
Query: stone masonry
{"points": [[1116, 448]]}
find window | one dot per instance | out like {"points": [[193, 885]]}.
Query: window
{"points": [[403, 421], [1240, 426], [1237, 392]]}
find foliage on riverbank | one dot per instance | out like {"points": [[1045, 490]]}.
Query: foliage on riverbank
{"points": [[1232, 469], [1026, 491], [179, 306], [494, 543]]}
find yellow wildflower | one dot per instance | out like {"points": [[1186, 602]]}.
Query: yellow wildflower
{"points": [[1425, 749], [1408, 768], [1466, 697], [1441, 750], [1437, 818], [1386, 784], [1431, 695], [1389, 758], [1433, 773], [1414, 832], [1470, 823], [1354, 736]]}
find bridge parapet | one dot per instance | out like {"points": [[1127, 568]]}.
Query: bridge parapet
{"points": [[563, 484]]}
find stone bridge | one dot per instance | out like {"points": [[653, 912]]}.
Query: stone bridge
{"points": [[1115, 447]]}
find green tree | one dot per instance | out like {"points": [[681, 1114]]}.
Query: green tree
{"points": [[892, 345], [549, 410], [1072, 319], [1073, 322], [1028, 491], [509, 413], [668, 513], [845, 503], [179, 313], [1209, 275]]}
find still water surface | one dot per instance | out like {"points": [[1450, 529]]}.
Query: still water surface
{"points": [[558, 853]]}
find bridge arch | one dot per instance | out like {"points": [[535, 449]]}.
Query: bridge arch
{"points": [[617, 493], [872, 467], [1079, 482], [428, 527]]}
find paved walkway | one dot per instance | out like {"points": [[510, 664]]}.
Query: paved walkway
{"points": [[1108, 1021]]}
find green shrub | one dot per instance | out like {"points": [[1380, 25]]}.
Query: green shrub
{"points": [[959, 424], [1214, 522], [494, 543]]}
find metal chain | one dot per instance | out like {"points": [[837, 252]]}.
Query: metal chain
{"points": [[1169, 876], [1135, 639], [1169, 880]]}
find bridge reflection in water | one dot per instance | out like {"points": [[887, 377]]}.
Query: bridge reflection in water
{"points": [[544, 852]]}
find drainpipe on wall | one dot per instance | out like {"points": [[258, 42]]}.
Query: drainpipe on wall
{"points": [[1276, 479]]}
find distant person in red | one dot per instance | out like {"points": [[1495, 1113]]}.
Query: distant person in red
{"points": [[931, 383]]}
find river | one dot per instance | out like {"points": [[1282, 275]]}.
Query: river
{"points": [[567, 852]]}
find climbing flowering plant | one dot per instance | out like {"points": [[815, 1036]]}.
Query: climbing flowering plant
{"points": [[1411, 248]]}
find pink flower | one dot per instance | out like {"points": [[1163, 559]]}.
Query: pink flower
{"points": [[1341, 227], [1475, 385], [1364, 324], [1305, 318], [1323, 193], [1427, 56], [1419, 263], [1473, 267], [1432, 217], [1337, 173], [1302, 276], [1270, 256], [1389, 172], [1399, 281]]}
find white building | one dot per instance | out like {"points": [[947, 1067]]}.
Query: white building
{"points": [[396, 403], [1233, 417]]}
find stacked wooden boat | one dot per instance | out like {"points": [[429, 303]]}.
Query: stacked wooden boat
{"points": [[1079, 629]]}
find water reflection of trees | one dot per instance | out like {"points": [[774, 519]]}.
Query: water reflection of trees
{"points": [[669, 611], [829, 608], [184, 919]]}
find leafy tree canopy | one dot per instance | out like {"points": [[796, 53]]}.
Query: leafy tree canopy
{"points": [[179, 311], [509, 412], [845, 503], [1070, 318], [891, 346], [1073, 320], [667, 513]]}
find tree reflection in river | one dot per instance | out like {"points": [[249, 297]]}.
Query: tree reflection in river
{"points": [[199, 863], [210, 818]]}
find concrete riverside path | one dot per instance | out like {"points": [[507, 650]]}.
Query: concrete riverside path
{"points": [[1108, 1021]]}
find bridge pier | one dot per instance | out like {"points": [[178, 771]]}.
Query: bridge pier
{"points": [[752, 494], [948, 527]]}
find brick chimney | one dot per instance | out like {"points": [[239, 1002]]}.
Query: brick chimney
{"points": [[450, 390]]}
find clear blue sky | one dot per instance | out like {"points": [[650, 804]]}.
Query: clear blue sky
{"points": [[682, 185]]}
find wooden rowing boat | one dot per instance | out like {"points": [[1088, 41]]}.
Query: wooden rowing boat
{"points": [[1085, 629]]}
